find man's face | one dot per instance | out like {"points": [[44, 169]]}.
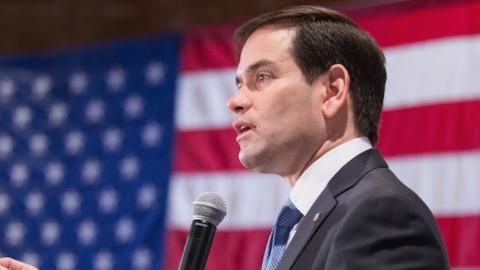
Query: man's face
{"points": [[279, 121]]}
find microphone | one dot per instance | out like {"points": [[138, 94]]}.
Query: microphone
{"points": [[209, 209]]}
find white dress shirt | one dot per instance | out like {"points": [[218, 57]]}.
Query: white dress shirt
{"points": [[316, 177]]}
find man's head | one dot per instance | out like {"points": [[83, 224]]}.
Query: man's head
{"points": [[323, 38], [304, 74]]}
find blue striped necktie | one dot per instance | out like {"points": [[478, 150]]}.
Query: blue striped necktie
{"points": [[277, 242]]}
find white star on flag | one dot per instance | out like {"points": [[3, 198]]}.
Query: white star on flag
{"points": [[78, 82], [14, 233], [95, 111], [112, 139], [142, 258], [116, 78], [22, 116], [124, 230], [54, 173], [133, 106], [71, 202], [151, 134], [57, 113], [4, 203], [34, 203], [41, 86], [103, 261], [155, 73], [66, 261], [19, 174], [91, 171], [108, 201], [7, 89], [146, 196], [87, 232], [6, 145], [74, 142], [38, 144], [129, 167], [50, 232]]}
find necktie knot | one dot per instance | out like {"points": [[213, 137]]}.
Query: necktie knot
{"points": [[289, 216]]}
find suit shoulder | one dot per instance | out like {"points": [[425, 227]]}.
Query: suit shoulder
{"points": [[382, 184], [381, 199]]}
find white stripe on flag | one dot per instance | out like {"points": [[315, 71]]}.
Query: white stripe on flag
{"points": [[448, 184], [433, 72], [424, 73], [202, 99], [253, 200]]}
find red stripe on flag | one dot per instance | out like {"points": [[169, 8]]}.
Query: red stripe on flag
{"points": [[232, 250], [431, 129], [206, 150], [425, 129], [209, 48], [462, 237], [392, 29]]}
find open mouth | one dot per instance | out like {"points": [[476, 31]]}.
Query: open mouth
{"points": [[244, 128]]}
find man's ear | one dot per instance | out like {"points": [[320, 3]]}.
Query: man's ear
{"points": [[337, 90]]}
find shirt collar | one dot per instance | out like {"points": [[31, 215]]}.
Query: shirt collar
{"points": [[316, 177]]}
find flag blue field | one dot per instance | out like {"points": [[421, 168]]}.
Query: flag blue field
{"points": [[85, 155]]}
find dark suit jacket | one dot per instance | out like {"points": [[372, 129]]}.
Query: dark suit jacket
{"points": [[366, 219]]}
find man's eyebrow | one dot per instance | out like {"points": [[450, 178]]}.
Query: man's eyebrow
{"points": [[259, 64], [253, 67]]}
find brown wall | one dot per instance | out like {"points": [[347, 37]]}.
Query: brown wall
{"points": [[37, 26]]}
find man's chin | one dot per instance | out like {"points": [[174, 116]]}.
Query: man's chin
{"points": [[254, 163], [244, 161], [248, 161]]}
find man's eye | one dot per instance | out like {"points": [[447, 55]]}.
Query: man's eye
{"points": [[262, 76]]}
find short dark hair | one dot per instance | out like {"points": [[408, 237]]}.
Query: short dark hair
{"points": [[323, 38]]}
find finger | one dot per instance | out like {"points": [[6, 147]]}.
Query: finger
{"points": [[28, 267], [12, 264], [5, 262]]}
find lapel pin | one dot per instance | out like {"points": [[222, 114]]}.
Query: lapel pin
{"points": [[316, 217]]}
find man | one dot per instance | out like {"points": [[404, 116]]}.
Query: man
{"points": [[310, 92]]}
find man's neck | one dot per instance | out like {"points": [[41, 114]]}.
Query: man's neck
{"points": [[322, 149]]}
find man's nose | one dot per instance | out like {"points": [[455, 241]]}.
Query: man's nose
{"points": [[239, 102]]}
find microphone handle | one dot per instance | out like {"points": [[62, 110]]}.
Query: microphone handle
{"points": [[198, 245]]}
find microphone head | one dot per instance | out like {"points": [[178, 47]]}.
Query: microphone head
{"points": [[210, 207]]}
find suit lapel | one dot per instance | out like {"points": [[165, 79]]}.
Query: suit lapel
{"points": [[348, 176], [308, 224]]}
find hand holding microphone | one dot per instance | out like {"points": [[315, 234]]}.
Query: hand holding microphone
{"points": [[209, 209]]}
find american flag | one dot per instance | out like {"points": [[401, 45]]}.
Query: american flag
{"points": [[104, 149], [85, 155]]}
